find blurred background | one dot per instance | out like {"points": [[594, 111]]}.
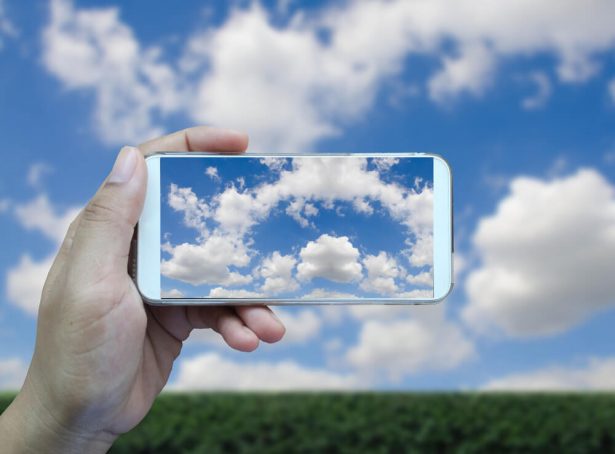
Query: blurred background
{"points": [[519, 96]]}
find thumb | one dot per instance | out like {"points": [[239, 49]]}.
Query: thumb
{"points": [[102, 241]]}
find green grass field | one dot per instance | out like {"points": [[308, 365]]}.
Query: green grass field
{"points": [[374, 423]]}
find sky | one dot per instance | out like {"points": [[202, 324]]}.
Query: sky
{"points": [[301, 227], [518, 96]]}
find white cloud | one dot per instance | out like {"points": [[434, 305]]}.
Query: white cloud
{"points": [[210, 371], [172, 293], [36, 172], [329, 257], [416, 294], [208, 262], [317, 179], [274, 163], [420, 253], [422, 341], [381, 273], [598, 374], [324, 179], [469, 72], [24, 282], [39, 214], [612, 90], [221, 292], [91, 49], [212, 172], [236, 211], [301, 325], [12, 373], [294, 209], [542, 94], [195, 210], [325, 83], [425, 278], [277, 270], [547, 256], [323, 293], [310, 210], [385, 164], [362, 206]]}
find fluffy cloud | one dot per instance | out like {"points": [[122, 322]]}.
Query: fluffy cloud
{"points": [[195, 210], [277, 270], [333, 258], [401, 341], [12, 373], [208, 262], [40, 215], [24, 281], [91, 49], [425, 278], [319, 179], [212, 172], [612, 90], [385, 164], [597, 374], [210, 371], [547, 256], [325, 83], [326, 180], [381, 273], [302, 325], [274, 163], [420, 252], [469, 72]]}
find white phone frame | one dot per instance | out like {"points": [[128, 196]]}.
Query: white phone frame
{"points": [[148, 252]]}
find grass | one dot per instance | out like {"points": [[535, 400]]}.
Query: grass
{"points": [[374, 423]]}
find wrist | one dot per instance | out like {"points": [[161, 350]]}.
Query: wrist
{"points": [[27, 425]]}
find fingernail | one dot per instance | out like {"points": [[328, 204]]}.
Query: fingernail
{"points": [[275, 316], [124, 166]]}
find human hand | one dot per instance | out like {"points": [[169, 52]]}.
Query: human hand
{"points": [[101, 355]]}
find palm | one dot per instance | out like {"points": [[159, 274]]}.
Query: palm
{"points": [[160, 332], [152, 361]]}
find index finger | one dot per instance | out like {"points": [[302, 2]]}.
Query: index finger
{"points": [[198, 138]]}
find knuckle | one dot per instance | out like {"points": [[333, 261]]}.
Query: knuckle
{"points": [[101, 212], [98, 211]]}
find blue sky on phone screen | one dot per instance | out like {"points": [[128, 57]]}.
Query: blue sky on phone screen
{"points": [[317, 227], [518, 96]]}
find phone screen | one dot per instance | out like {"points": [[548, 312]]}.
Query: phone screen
{"points": [[296, 227]]}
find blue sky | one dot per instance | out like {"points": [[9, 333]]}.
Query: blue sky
{"points": [[520, 100], [331, 227]]}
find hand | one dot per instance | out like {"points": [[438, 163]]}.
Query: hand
{"points": [[101, 355]]}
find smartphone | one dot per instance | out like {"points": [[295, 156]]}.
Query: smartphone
{"points": [[220, 229]]}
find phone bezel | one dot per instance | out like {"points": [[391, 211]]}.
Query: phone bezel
{"points": [[148, 251]]}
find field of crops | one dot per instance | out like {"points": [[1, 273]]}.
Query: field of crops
{"points": [[374, 422]]}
